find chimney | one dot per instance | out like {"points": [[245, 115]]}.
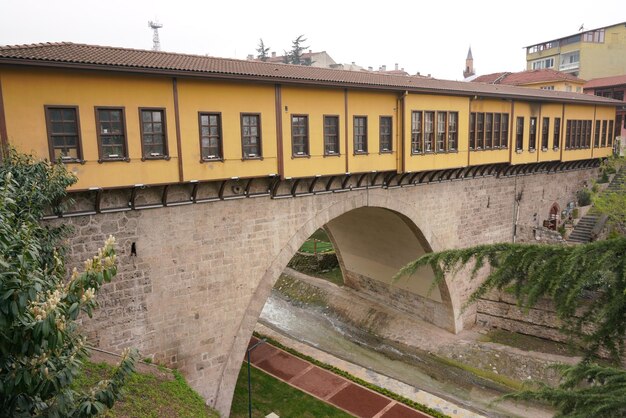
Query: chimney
{"points": [[250, 57], [310, 51], [370, 68], [384, 67], [352, 62], [273, 54], [396, 66], [418, 73]]}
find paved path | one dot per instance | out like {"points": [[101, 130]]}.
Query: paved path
{"points": [[327, 386], [380, 380]]}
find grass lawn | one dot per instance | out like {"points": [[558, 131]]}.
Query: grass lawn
{"points": [[311, 246], [272, 395], [320, 235], [333, 276], [318, 241], [148, 395]]}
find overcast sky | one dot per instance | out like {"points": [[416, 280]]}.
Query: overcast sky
{"points": [[429, 37]]}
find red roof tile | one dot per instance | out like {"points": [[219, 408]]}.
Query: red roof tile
{"points": [[527, 77], [81, 56], [618, 80], [489, 78]]}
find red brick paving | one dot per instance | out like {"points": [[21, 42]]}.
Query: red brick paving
{"points": [[283, 365], [402, 411], [323, 384], [318, 382], [359, 401], [260, 352]]}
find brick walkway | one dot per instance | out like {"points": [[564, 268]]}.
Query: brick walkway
{"points": [[327, 386]]}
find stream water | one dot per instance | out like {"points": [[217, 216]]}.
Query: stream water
{"points": [[313, 326]]}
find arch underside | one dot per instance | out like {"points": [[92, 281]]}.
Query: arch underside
{"points": [[373, 240], [372, 245]]}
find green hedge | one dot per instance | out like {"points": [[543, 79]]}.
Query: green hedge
{"points": [[313, 263]]}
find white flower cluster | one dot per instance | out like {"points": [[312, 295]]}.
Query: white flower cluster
{"points": [[88, 295], [38, 360], [41, 310], [60, 323], [100, 261]]}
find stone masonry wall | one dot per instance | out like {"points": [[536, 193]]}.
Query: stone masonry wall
{"points": [[500, 310], [191, 296], [427, 309]]}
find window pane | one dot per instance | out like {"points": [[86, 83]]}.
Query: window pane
{"points": [[56, 114], [63, 133], [385, 134], [250, 136], [57, 127], [153, 134], [416, 132], [429, 120], [331, 135], [452, 130], [69, 115], [504, 126]]}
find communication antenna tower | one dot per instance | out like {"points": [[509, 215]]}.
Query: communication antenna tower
{"points": [[156, 44]]}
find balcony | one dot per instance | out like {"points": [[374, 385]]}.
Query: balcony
{"points": [[569, 66]]}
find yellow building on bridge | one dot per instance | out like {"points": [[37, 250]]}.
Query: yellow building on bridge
{"points": [[121, 117]]}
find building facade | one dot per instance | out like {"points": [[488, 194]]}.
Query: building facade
{"points": [[120, 117], [615, 88], [588, 54]]}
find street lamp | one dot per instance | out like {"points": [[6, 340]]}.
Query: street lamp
{"points": [[249, 383]]}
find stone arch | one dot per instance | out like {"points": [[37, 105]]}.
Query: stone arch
{"points": [[554, 216], [405, 211]]}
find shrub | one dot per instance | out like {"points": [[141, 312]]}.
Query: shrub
{"points": [[40, 343], [584, 197], [604, 178]]}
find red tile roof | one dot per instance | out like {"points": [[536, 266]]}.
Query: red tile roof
{"points": [[396, 72], [618, 80], [527, 77], [489, 78], [81, 56]]}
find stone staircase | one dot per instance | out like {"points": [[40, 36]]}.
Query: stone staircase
{"points": [[618, 182], [584, 230]]}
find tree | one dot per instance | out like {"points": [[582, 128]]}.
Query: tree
{"points": [[40, 343], [565, 274], [612, 203], [295, 55], [262, 51]]}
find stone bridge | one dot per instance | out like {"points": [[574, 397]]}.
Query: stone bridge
{"points": [[194, 278]]}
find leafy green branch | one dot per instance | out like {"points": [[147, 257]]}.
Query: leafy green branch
{"points": [[40, 344]]}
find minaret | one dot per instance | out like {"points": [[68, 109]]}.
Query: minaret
{"points": [[469, 64]]}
